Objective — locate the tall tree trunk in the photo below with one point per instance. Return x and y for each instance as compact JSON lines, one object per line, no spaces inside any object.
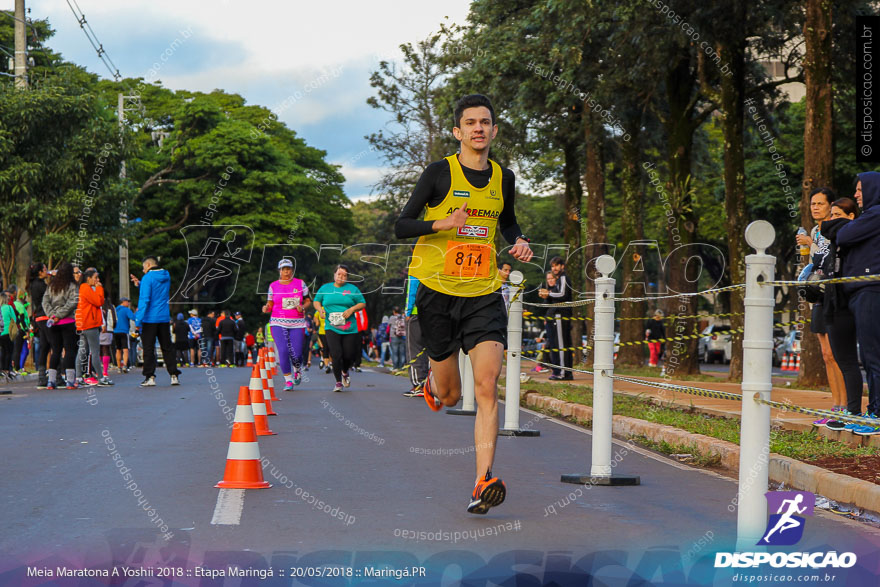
{"x":680,"y":128}
{"x":572,"y":229}
{"x":631,"y":327}
{"x":818,"y":152}
{"x":594,"y":180}
{"x":732,"y":52}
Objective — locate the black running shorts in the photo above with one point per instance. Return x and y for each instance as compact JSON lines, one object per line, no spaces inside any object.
{"x":450,"y":323}
{"x":120,"y":339}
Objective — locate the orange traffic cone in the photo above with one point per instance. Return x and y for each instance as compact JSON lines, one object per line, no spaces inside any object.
{"x":243,"y":470}
{"x":250,"y":361}
{"x":271,"y":364}
{"x":257,"y":386}
{"x":797,"y":365}
{"x":268,"y":381}
{"x":786,"y":364}
{"x":261,"y":420}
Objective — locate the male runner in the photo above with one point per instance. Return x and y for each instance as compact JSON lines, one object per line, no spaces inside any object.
{"x":466,"y":198}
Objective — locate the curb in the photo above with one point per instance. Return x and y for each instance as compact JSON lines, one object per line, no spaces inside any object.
{"x":791,"y":472}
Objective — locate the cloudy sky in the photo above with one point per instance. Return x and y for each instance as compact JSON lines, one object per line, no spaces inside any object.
{"x":266,"y":51}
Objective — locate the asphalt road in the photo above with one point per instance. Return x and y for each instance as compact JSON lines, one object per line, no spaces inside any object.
{"x":361,"y":479}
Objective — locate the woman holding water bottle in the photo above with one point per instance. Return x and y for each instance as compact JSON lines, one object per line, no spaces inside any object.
{"x":816,"y":247}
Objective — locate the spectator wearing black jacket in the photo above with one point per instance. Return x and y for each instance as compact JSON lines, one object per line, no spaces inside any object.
{"x":227,"y":340}
{"x":859,"y":240}
{"x":37,"y":288}
{"x":559,"y":330}
{"x":839,"y":320}
{"x":240,"y":348}
{"x":209,"y":336}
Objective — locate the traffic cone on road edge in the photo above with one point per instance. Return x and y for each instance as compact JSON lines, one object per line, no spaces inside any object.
{"x":261,"y":419}
{"x":271,"y":364}
{"x":243,"y":468}
{"x":797,"y":364}
{"x":786,"y":364}
{"x":257,"y":384}
{"x":250,"y":361}
{"x":268,"y":382}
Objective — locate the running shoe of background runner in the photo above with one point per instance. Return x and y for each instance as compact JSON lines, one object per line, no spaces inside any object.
{"x":104,"y":382}
{"x":852,"y":425}
{"x":288,"y":386}
{"x":149,"y":381}
{"x":337,"y":387}
{"x":488,"y":493}
{"x":415,"y":391}
{"x":175,"y":380}
{"x":346,"y":379}
{"x":297,"y":378}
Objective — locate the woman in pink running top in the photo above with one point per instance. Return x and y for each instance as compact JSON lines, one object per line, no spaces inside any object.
{"x":288,"y":299}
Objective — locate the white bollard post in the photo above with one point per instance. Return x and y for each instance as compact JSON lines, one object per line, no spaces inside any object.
{"x":754,"y":443}
{"x":468,"y":399}
{"x":514,"y":359}
{"x":603,"y":384}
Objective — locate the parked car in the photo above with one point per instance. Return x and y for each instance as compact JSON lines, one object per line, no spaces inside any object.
{"x":792,"y":342}
{"x":716,"y":344}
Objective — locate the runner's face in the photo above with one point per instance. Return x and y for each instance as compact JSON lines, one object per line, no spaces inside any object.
{"x":505,"y":271}
{"x":858,"y":194}
{"x":476,"y":131}
{"x":286,"y":273}
{"x":341,"y":276}
{"x":557,"y":269}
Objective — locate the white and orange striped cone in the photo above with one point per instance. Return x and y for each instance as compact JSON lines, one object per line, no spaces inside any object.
{"x":243,"y":469}
{"x":271,"y":364}
{"x":268,"y":382}
{"x":257,"y":385}
{"x":250,"y":360}
{"x":797,"y":364}
{"x":786,"y":364}
{"x":261,"y":420}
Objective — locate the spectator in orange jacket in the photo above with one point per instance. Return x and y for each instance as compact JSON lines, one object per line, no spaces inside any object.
{"x":89,"y":320}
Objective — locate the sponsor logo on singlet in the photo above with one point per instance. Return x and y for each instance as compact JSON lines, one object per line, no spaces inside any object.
{"x":461,"y":194}
{"x":476,"y":231}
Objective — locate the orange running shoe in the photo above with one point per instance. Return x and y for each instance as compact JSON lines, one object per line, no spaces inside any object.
{"x":432,"y":400}
{"x":488,"y":493}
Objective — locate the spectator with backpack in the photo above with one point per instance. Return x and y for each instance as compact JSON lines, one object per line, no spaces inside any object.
{"x":397,"y":338}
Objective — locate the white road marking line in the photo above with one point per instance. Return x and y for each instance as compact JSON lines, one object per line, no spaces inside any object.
{"x":230,"y":503}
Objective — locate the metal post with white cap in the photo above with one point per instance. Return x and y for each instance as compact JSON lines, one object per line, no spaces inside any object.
{"x":603,"y":384}
{"x":514,"y":359}
{"x":468,"y":398}
{"x":754,"y":443}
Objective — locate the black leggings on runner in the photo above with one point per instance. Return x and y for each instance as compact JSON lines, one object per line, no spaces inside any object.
{"x":343,"y":350}
{"x":842,"y":337}
{"x":325,"y":348}
{"x":63,"y":337}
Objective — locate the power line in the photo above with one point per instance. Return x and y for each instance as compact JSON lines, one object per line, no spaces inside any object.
{"x":93,"y":39}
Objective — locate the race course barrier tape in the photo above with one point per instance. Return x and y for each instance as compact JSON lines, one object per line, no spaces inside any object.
{"x":824,"y":281}
{"x":785,"y":407}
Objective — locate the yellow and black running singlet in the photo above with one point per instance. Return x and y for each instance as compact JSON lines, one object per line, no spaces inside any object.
{"x":461,"y":261}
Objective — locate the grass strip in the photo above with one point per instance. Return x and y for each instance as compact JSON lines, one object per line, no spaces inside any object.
{"x":794,"y":444}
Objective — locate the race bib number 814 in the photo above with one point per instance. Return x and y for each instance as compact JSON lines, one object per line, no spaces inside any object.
{"x":467,"y":259}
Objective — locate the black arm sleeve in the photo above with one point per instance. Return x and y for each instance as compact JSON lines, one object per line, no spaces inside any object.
{"x":409,"y":225}
{"x":507,"y":224}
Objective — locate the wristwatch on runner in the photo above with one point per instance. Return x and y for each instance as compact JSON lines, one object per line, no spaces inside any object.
{"x":524,"y":237}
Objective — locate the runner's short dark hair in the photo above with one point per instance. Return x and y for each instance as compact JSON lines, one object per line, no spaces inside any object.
{"x":151,"y":258}
{"x":471,"y":101}
{"x":828,"y":192}
{"x":341,"y":266}
{"x":557,"y":260}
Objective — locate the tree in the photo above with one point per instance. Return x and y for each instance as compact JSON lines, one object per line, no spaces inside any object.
{"x":818,"y":145}
{"x":59,"y":158}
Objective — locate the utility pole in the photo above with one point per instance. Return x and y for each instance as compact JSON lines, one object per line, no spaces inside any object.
{"x":21,"y":80}
{"x":124,"y":290}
